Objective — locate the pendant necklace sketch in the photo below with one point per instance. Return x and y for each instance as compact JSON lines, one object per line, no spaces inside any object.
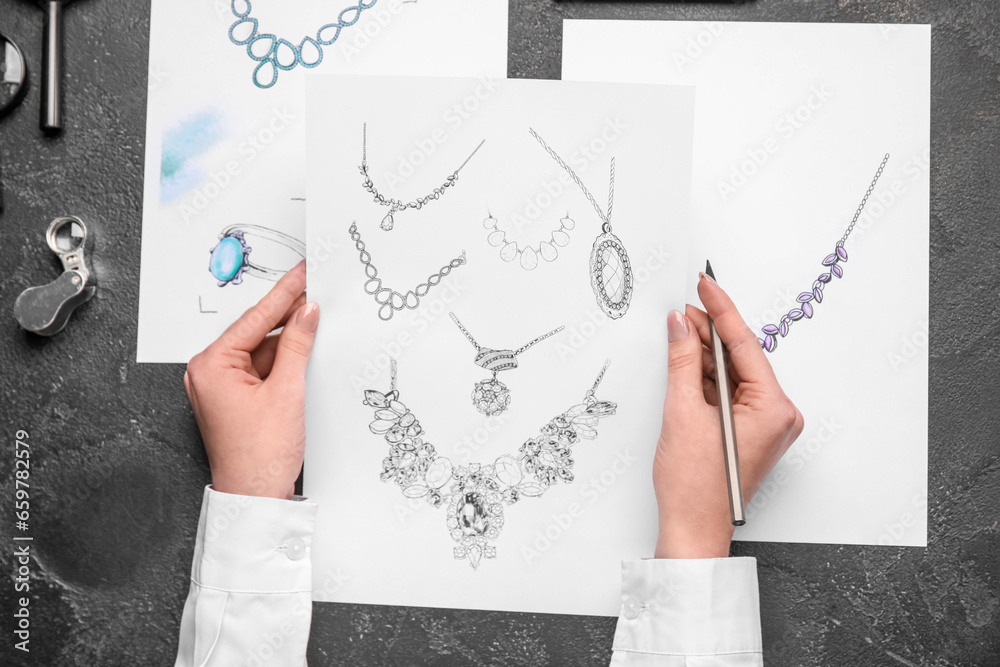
{"x":610,"y":269}
{"x":282,"y":54}
{"x":395,"y":205}
{"x":390,"y":301}
{"x":490,"y":396}
{"x":474,"y":495}
{"x":832,"y":262}
{"x":528,"y":255}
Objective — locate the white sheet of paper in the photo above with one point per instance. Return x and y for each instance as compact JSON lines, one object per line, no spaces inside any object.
{"x":371,"y":544}
{"x":792,"y":122}
{"x":220,"y":151}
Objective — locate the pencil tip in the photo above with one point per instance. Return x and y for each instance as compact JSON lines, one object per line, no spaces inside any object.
{"x":708,"y":269}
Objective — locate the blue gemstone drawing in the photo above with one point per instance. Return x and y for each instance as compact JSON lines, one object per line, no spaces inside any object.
{"x":276,"y":54}
{"x":229,"y":259}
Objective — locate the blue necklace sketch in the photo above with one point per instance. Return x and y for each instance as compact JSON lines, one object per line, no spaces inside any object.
{"x":833,"y":269}
{"x":282,"y":54}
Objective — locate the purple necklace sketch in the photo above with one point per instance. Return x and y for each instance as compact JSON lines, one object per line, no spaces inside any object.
{"x":230,"y":258}
{"x":271,"y":61}
{"x":390,"y":301}
{"x":475,"y":499}
{"x":832,"y":262}
{"x":490,"y":396}
{"x":610,"y":270}
{"x":395,"y":205}
{"x":528,"y":254}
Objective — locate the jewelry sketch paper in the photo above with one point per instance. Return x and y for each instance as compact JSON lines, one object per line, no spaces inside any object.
{"x":438,"y":503}
{"x":225,"y":143}
{"x":794,"y":125}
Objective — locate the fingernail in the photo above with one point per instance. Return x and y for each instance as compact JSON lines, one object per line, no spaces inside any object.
{"x":309,"y":317}
{"x":677,"y":327}
{"x":705,"y":276}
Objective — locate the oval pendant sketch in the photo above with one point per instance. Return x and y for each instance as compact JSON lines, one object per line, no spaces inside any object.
{"x":527,"y":256}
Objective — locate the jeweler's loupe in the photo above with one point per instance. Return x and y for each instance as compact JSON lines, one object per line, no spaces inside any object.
{"x":13,"y":75}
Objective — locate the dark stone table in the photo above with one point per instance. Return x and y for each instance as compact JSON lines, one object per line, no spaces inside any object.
{"x":118,"y":466}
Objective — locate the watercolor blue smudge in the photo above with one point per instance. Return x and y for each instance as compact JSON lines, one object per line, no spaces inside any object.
{"x":181,"y":144}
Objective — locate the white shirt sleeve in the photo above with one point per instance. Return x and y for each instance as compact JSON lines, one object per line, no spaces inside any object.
{"x":250,"y":601}
{"x":689,"y":613}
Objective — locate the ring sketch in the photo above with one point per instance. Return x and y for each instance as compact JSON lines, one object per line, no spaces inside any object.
{"x":281,"y":54}
{"x":395,"y":205}
{"x":832,"y":262}
{"x":490,"y":396}
{"x":229,"y":259}
{"x":474,"y":495}
{"x":390,"y":301}
{"x":527,"y":256}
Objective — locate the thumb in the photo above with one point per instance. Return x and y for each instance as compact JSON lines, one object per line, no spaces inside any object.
{"x":684,"y":370}
{"x":295,"y":345}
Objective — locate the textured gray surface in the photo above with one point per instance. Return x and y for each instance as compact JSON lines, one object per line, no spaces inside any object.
{"x":118,"y":465}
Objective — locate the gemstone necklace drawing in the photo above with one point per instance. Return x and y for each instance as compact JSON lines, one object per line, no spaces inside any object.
{"x":271,"y":60}
{"x":490,"y":396}
{"x":832,"y":263}
{"x":528,"y":254}
{"x":610,"y":269}
{"x":475,"y":499}
{"x":390,"y":301}
{"x":395,"y":205}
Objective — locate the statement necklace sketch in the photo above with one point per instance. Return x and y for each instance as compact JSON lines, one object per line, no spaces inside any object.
{"x":395,"y":205}
{"x":610,"y":269}
{"x":391,"y":300}
{"x":490,"y":396}
{"x":528,"y":254}
{"x":475,"y":499}
{"x":282,"y":54}
{"x":832,"y":263}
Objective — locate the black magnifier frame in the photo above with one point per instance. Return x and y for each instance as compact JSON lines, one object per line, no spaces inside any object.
{"x":13,"y":75}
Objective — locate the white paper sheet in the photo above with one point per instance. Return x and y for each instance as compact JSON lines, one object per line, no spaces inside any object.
{"x":221,"y":151}
{"x":371,"y":544}
{"x":792,"y":121}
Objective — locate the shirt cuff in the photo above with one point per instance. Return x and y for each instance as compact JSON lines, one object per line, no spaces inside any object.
{"x":689,"y":607}
{"x":249,"y":544}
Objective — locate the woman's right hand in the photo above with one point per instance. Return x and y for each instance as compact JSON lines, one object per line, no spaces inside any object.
{"x":689,"y":474}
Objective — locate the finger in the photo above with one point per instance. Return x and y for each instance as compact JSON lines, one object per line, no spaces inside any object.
{"x":745,"y":352}
{"x":711,"y":391}
{"x":247,"y":332}
{"x":699,"y":318}
{"x":295,"y":344}
{"x":263,"y":357}
{"x":298,"y":303}
{"x":684,"y":372}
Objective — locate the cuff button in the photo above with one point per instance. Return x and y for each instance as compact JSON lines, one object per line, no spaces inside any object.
{"x":295,"y":549}
{"x":631,"y":608}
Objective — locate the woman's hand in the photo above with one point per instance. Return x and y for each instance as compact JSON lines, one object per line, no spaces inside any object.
{"x":689,"y":473}
{"x":248,"y":393}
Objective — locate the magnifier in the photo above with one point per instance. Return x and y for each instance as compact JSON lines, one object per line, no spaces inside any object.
{"x":13,"y":75}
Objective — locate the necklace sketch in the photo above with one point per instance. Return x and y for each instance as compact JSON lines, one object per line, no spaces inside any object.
{"x":475,"y":499}
{"x":390,"y":301}
{"x":229,"y":259}
{"x":528,"y":255}
{"x":308,"y":53}
{"x":610,"y":270}
{"x":490,"y":396}
{"x":833,"y":269}
{"x":395,"y":205}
